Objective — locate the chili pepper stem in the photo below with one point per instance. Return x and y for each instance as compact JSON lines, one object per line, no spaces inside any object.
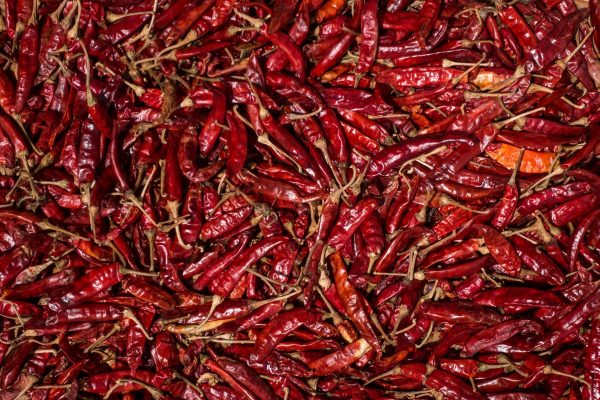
{"x":255,"y":22}
{"x":92,"y":208}
{"x":25,"y":172}
{"x":295,"y":117}
{"x":383,"y":375}
{"x":28,"y":383}
{"x":172,"y":208}
{"x":446,"y":200}
{"x":151,"y":235}
{"x":130,"y":315}
{"x":45,"y":387}
{"x":154,"y":392}
{"x":286,"y":296}
{"x":460,"y":77}
{"x":426,"y":338}
{"x":189,"y":38}
{"x":127,"y":271}
{"x":45,"y":225}
{"x":547,"y":178}
{"x":116,"y":328}
{"x":269,"y":281}
{"x":73,"y":33}
{"x":563,"y":63}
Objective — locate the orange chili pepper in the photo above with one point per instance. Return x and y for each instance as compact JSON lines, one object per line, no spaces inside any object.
{"x":330,"y":9}
{"x":534,"y":162}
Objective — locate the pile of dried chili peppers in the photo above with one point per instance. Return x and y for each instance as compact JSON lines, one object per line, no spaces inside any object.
{"x":299,"y":199}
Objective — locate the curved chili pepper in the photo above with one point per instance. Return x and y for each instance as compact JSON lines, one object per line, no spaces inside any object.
{"x":350,"y":221}
{"x":353,"y":302}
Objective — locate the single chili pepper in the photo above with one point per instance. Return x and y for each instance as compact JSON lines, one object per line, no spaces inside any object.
{"x":237,"y":141}
{"x":578,"y":236}
{"x":6,"y":92}
{"x":452,"y":254}
{"x":340,"y":359}
{"x":14,"y":362}
{"x":460,"y":312}
{"x":573,"y":209}
{"x":148,"y":292}
{"x":330,"y":9}
{"x":450,"y":386}
{"x":217,"y":268}
{"x":403,"y":239}
{"x":427,"y":18}
{"x":417,"y":76}
{"x":184,"y":22}
{"x":586,"y":151}
{"x":517,"y":24}
{"x":353,"y":303}
{"x":246,"y":377}
{"x":551,"y":196}
{"x":591,"y":359}
{"x":289,"y":143}
{"x":570,"y":321}
{"x":39,"y":287}
{"x":400,"y":204}
{"x":502,"y":251}
{"x":277,"y":330}
{"x":515,"y":296}
{"x":212,"y":127}
{"x":350,"y":221}
{"x":457,"y":270}
{"x":27,"y":64}
{"x":369,"y":37}
{"x":334,"y":54}
{"x":508,"y":203}
{"x":86,"y":287}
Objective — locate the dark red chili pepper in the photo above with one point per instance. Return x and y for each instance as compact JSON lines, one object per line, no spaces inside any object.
{"x":450,"y":386}
{"x":369,"y":37}
{"x":277,"y":330}
{"x":508,"y":203}
{"x":394,"y":156}
{"x":573,"y":209}
{"x":502,"y":251}
{"x":518,"y":25}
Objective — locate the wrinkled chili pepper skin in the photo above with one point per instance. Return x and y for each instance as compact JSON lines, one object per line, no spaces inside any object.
{"x":349,"y":222}
{"x":91,"y":284}
{"x":450,"y":386}
{"x":394,"y":156}
{"x":353,"y":303}
{"x":28,"y":64}
{"x":299,"y":199}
